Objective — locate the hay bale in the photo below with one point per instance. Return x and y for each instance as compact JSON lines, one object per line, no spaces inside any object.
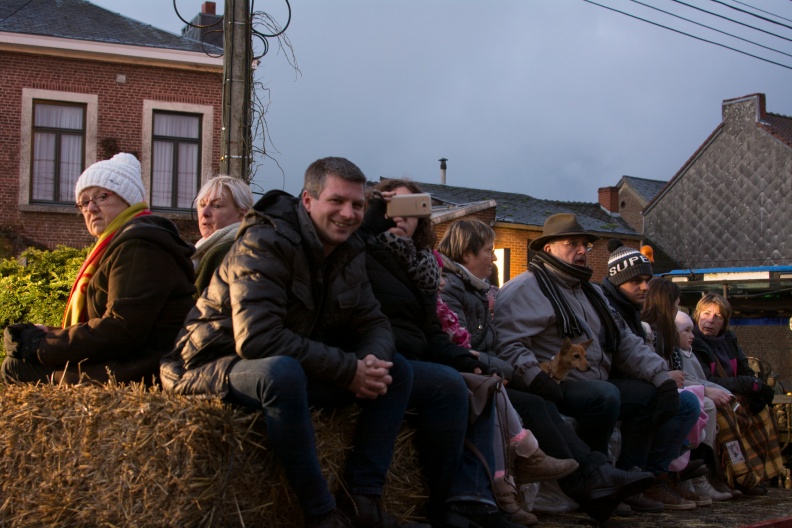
{"x":126,"y":456}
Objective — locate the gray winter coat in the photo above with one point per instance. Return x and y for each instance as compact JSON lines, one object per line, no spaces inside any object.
{"x":527,"y":333}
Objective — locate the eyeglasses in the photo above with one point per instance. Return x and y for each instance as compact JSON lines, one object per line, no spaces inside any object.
{"x":99,"y":200}
{"x":575,"y":244}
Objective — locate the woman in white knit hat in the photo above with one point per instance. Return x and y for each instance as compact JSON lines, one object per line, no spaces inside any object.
{"x":130,"y":297}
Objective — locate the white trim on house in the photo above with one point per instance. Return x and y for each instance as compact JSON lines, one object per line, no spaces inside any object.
{"x":207,"y":138}
{"x":103,"y":51}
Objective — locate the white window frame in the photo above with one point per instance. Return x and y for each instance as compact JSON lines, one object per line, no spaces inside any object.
{"x":207,"y":137}
{"x":29,"y":95}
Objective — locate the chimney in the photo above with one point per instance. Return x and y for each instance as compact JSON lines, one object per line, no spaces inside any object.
{"x":442,"y":170}
{"x":609,"y":199}
{"x":208,"y":8}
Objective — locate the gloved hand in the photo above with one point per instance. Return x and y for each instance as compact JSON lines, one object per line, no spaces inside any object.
{"x":666,"y":401}
{"x":767,"y":393}
{"x":21,"y":340}
{"x":374,"y":220}
{"x":546,"y":387}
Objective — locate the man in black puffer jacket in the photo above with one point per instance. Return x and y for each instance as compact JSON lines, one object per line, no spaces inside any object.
{"x":289,"y":321}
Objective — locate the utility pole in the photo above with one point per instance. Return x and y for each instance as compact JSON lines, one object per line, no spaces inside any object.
{"x":236,"y":135}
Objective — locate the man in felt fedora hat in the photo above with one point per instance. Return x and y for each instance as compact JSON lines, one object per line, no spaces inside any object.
{"x":554,"y":299}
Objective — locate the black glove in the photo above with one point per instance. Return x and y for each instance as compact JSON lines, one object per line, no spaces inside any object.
{"x":374,"y":220}
{"x":546,"y":387}
{"x":21,"y":340}
{"x":666,"y":402}
{"x":469,"y":362}
{"x":767,"y":393}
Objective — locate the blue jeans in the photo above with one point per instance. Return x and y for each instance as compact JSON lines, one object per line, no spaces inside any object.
{"x":278,"y":386}
{"x":440,"y":400}
{"x":645,"y":444}
{"x":595,"y":405}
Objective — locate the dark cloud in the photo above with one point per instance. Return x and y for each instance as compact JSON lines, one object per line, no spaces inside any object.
{"x":553,"y":99}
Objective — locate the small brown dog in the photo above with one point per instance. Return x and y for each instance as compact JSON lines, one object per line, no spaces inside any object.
{"x":571,"y":356}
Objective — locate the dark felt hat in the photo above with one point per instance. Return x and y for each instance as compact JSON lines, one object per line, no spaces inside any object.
{"x":561,"y":225}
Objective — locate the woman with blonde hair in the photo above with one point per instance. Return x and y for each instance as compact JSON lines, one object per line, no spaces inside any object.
{"x":724,"y":362}
{"x":222,"y":203}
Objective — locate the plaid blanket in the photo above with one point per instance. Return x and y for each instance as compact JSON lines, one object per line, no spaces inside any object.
{"x":748,"y":445}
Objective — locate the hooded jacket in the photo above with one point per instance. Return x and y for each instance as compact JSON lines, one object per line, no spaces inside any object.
{"x":275,"y":294}
{"x":135,"y":303}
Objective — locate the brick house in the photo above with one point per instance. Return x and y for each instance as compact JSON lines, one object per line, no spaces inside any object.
{"x":726,"y":216}
{"x":630,"y":197}
{"x":732,"y":196}
{"x":517,"y":219}
{"x":80,"y":84}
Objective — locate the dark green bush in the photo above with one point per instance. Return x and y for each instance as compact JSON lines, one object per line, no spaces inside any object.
{"x":35,"y":287}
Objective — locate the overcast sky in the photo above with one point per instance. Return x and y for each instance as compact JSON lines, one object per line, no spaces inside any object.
{"x":551,"y":98}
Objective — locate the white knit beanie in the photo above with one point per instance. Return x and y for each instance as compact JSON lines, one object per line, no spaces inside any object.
{"x":120,"y":174}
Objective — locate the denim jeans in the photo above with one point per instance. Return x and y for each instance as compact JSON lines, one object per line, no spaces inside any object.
{"x":556,"y":437}
{"x":278,"y":386}
{"x":440,"y":401}
{"x":645,"y":444}
{"x":595,"y":405}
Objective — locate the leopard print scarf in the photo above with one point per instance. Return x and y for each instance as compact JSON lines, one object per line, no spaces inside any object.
{"x":421,"y":263}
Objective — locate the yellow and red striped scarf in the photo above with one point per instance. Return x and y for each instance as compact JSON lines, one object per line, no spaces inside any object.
{"x":75,"y":307}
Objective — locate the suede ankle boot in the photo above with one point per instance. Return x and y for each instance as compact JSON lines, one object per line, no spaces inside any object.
{"x":538,"y":466}
{"x":508,"y":498}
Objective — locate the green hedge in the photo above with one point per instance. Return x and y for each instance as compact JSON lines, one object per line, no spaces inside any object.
{"x":34,"y":288}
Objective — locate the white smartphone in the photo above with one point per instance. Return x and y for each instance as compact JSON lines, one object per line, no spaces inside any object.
{"x":410,"y":205}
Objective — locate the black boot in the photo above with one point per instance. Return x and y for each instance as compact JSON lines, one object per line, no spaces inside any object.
{"x":366,"y":511}
{"x":331,"y":519}
{"x":601,"y":509}
{"x":475,"y":515}
{"x":607,"y":482}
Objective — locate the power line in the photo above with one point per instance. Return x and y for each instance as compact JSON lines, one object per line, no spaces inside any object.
{"x":732,"y":20}
{"x":751,"y":14}
{"x":689,"y":35}
{"x":762,"y":10}
{"x":712,"y":28}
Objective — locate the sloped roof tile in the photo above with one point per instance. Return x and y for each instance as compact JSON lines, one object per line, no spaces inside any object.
{"x":526,"y":210}
{"x":82,"y":20}
{"x":646,"y":189}
{"x":779,"y":126}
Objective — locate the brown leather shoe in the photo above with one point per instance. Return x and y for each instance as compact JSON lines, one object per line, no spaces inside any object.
{"x":682,"y":490}
{"x":660,"y":492}
{"x":539,"y":466}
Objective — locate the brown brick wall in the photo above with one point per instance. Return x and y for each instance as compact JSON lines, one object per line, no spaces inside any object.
{"x":608,"y":198}
{"x":120,"y":110}
{"x":630,"y":207}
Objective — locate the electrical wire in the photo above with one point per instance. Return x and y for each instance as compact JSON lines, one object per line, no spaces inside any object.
{"x":751,"y":14}
{"x":712,"y":28}
{"x":762,"y":10}
{"x":732,"y":20}
{"x":689,"y":35}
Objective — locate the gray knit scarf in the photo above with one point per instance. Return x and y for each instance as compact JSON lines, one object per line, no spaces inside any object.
{"x":566,"y":320}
